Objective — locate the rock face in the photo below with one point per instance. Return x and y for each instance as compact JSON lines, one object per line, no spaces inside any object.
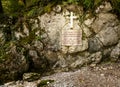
{"x":13,"y":65}
{"x":102,"y":76}
{"x":115,"y":54}
{"x":100,"y":36}
{"x":38,"y":43}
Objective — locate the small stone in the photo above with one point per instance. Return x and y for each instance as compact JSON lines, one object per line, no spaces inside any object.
{"x":101,"y":74}
{"x":48,"y":82}
{"x":93,"y":65}
{"x":111,"y":67}
{"x":57,"y":9}
{"x":104,"y":68}
{"x":88,"y":22}
{"x":31,"y":76}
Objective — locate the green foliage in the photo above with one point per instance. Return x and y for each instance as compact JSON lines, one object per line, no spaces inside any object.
{"x":17,"y":7}
{"x":88,"y":4}
{"x":73,"y":1}
{"x":44,"y":83}
{"x":32,"y":12}
{"x":116,"y":6}
{"x":3,"y":49}
{"x":48,"y":8}
{"x":12,"y":7}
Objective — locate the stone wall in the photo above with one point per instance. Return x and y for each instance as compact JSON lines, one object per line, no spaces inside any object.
{"x":100,"y":37}
{"x":37,"y":42}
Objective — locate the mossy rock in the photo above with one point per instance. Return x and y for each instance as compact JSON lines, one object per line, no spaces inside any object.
{"x":44,"y":83}
{"x":31,"y":76}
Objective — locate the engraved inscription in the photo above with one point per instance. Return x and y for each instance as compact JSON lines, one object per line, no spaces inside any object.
{"x":71,"y":37}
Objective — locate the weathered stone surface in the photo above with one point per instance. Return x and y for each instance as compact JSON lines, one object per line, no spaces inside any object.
{"x":42,"y":47}
{"x":20,"y":84}
{"x":103,"y":20}
{"x":103,"y":8}
{"x":31,"y":76}
{"x":57,"y":9}
{"x":14,"y":64}
{"x":108,"y":36}
{"x":51,"y":56}
{"x":38,"y":45}
{"x":106,"y":53}
{"x":86,"y":31}
{"x":96,"y":57}
{"x":117,"y":30}
{"x":102,"y":75}
{"x":1,"y":38}
{"x":95,"y":45}
{"x":88,"y":22}
{"x":1,"y":34}
{"x":115,"y":54}
{"x":79,"y":48}
{"x":53,"y":24}
{"x":37,"y":61}
{"x":79,"y":62}
{"x":62,"y":63}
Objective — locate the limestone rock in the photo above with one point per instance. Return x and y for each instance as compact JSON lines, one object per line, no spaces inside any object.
{"x":115,"y":54}
{"x":117,"y":30}
{"x":2,"y":39}
{"x":89,"y":21}
{"x":37,"y":61}
{"x":38,"y":45}
{"x":93,"y":59}
{"x":107,"y":7}
{"x":95,"y":45}
{"x":87,"y":32}
{"x":20,"y":84}
{"x":14,"y":64}
{"x":53,"y":24}
{"x":106,"y":53}
{"x":31,"y":76}
{"x":80,"y":48}
{"x":103,"y":20}
{"x":79,"y":62}
{"x":62,"y":63}
{"x":108,"y":36}
{"x":103,"y":8}
{"x":51,"y":56}
{"x":57,"y":9}
{"x":96,"y":57}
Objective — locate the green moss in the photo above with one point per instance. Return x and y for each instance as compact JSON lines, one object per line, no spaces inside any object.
{"x":116,"y":6}
{"x":83,"y":35}
{"x":48,"y":8}
{"x":44,"y":83}
{"x":3,"y":49}
{"x":32,"y":12}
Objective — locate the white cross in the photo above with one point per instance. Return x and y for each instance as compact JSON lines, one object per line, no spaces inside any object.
{"x":71,"y":19}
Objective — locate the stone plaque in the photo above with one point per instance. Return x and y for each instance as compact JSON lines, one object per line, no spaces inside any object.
{"x":71,"y":37}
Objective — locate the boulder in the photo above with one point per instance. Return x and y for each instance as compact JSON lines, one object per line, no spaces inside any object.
{"x":94,"y":45}
{"x":115,"y":54}
{"x":103,"y":19}
{"x":108,"y":36}
{"x":12,"y":65}
{"x":31,"y":77}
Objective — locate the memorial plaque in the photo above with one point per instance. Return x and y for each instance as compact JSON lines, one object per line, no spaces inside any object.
{"x":71,"y":37}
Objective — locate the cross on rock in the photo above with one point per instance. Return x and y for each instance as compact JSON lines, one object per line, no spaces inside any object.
{"x":71,"y":19}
